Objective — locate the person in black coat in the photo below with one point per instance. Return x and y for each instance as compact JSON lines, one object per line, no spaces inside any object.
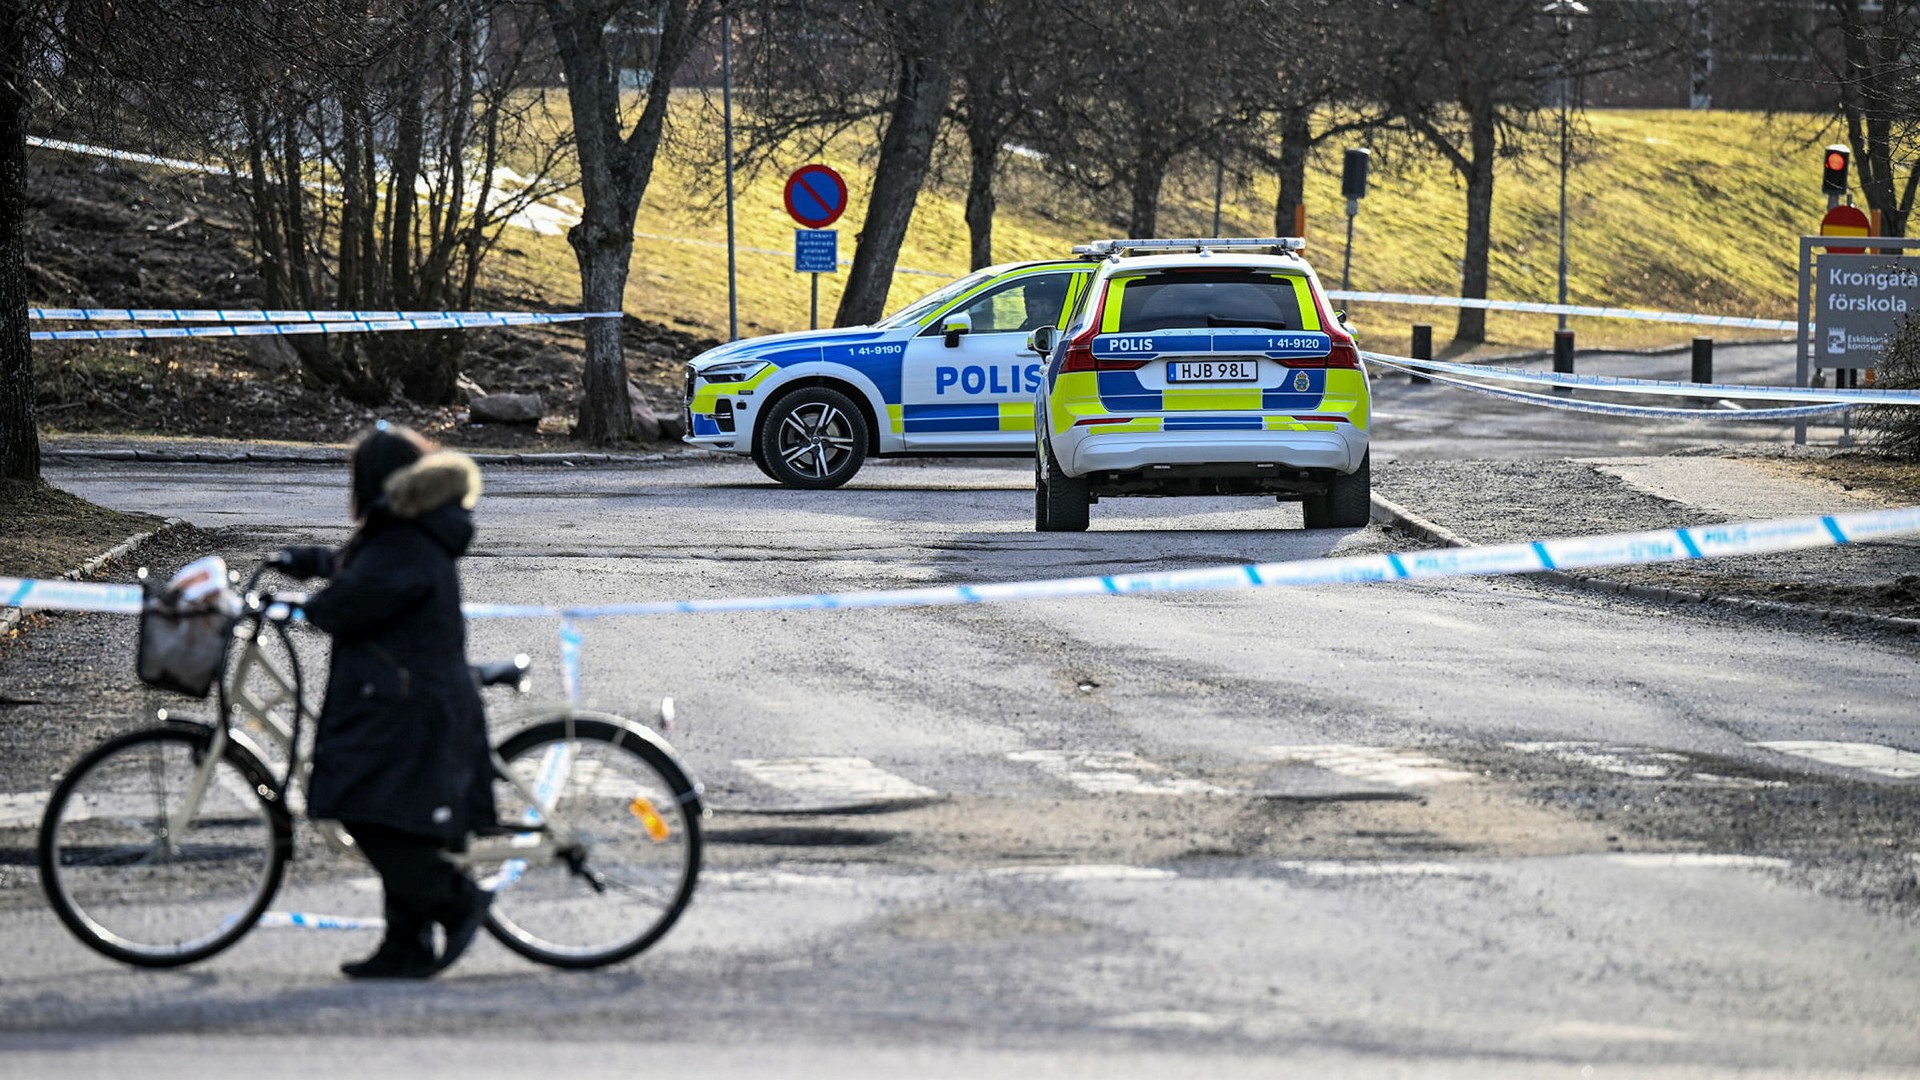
{"x":401,"y":757}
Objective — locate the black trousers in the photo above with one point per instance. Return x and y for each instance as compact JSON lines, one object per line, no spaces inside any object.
{"x":422,"y":887}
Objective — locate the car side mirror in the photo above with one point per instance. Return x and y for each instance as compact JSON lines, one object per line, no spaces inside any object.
{"x":1041,"y":340}
{"x":1340,"y":316}
{"x":954,"y":325}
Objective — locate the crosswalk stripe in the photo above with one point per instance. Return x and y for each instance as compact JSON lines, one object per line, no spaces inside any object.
{"x":1635,"y":761}
{"x":23,"y":811}
{"x":1397,"y":766}
{"x":854,"y":779}
{"x":1113,"y":772}
{"x":1867,"y":757}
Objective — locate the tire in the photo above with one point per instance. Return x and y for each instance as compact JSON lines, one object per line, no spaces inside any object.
{"x":1347,"y":502}
{"x":813,"y":438}
{"x":760,"y":460}
{"x":1060,"y":503}
{"x":545,"y":910}
{"x":129,"y":890}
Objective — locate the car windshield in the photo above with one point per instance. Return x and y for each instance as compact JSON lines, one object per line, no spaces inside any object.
{"x":925,"y":305}
{"x":1187,"y":300}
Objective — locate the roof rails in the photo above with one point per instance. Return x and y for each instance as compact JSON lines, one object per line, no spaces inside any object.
{"x":1114,"y":249}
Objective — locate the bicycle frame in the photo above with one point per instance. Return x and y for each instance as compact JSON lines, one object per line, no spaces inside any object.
{"x":273,"y":703}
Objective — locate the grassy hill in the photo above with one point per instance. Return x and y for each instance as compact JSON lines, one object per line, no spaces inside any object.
{"x":1689,"y":211}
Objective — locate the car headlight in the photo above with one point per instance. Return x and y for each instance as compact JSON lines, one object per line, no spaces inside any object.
{"x":736,"y":371}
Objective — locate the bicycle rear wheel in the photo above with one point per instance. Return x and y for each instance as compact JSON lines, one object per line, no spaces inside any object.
{"x":131,"y":887}
{"x":636,"y":816}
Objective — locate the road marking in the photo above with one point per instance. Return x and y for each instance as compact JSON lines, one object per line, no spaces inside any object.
{"x":1398,"y":766}
{"x":1376,"y":869}
{"x":1866,"y":757}
{"x":23,"y":811}
{"x":1167,"y":1019}
{"x":852,"y":779}
{"x":1634,"y":761}
{"x":1084,"y":872}
{"x":1112,"y":772}
{"x":1691,"y":861}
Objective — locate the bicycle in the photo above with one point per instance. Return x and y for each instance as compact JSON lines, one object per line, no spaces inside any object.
{"x":164,"y":846}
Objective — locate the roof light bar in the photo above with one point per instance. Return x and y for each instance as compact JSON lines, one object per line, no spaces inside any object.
{"x":1100,"y":249}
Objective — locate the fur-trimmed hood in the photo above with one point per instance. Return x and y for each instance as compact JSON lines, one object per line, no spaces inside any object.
{"x":442,"y":478}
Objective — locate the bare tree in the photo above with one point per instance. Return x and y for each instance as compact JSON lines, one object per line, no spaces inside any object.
{"x":1867,"y":50}
{"x":616,"y":145}
{"x":820,"y":68}
{"x":19,"y":437}
{"x":1005,"y":71}
{"x":1156,"y":81}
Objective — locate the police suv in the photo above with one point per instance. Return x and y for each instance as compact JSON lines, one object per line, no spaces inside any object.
{"x":1201,"y":367}
{"x":951,"y":373}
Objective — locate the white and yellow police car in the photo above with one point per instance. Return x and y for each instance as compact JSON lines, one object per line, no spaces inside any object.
{"x":951,"y":373}
{"x":1201,"y":367}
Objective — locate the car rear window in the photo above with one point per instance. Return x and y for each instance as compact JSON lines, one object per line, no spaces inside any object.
{"x":1180,"y":300}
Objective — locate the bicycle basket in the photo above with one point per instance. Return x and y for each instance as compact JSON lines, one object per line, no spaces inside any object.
{"x":183,"y":637}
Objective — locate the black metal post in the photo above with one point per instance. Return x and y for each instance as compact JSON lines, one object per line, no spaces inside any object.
{"x":1563,"y":359}
{"x":1422,"y":350}
{"x":1702,"y":365}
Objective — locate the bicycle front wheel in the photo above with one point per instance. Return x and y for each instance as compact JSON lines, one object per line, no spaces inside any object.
{"x":635,"y":819}
{"x":141,"y":877}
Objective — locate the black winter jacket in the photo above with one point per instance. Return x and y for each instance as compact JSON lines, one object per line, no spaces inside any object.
{"x":402,"y":738}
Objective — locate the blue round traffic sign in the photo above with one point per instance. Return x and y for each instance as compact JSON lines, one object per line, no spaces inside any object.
{"x":816,"y":196}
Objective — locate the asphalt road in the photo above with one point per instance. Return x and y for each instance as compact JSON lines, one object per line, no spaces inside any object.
{"x":1477,"y":828}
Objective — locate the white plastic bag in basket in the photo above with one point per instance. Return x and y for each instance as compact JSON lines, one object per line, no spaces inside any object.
{"x":203,"y":583}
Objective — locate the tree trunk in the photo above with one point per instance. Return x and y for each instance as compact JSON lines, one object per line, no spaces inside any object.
{"x":1482,"y":148}
{"x":1296,"y":143}
{"x":906,"y":152}
{"x":19,"y":437}
{"x":983,"y":158}
{"x":604,"y":251}
{"x":1148,"y":176}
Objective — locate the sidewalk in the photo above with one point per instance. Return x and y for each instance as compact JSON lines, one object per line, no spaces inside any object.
{"x":1491,"y":502}
{"x":202,"y":451}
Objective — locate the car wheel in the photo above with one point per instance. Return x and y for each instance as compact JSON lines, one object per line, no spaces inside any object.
{"x":759,"y":455}
{"x":813,"y":438}
{"x":1346,"y":504}
{"x":1060,"y":503}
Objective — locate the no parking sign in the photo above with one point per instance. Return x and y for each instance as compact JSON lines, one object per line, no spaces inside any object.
{"x":816,"y":196}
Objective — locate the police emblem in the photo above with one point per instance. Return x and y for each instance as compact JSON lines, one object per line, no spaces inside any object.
{"x":1302,"y":382}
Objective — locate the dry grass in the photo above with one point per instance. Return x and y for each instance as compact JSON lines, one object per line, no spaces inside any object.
{"x":1689,"y":211}
{"x":45,"y":531}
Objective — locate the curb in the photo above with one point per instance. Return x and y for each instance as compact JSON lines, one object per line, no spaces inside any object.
{"x":11,"y":617}
{"x":339,"y":457}
{"x":1388,"y":512}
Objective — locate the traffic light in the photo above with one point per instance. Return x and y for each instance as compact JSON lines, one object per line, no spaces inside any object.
{"x":1833,"y":178}
{"x":1353,"y":174}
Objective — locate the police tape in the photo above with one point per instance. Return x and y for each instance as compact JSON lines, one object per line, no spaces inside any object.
{"x":287,"y":329}
{"x":1661,"y":387}
{"x":1421,"y":300}
{"x":272,"y":315}
{"x":127,"y":155}
{"x":1574,"y":553}
{"x":1545,"y":401}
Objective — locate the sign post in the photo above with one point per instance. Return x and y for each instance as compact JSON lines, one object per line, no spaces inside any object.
{"x":816,"y":197}
{"x":1850,"y":306}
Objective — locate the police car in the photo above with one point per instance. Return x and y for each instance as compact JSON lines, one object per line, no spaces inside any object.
{"x":950,"y":373}
{"x":1201,"y":367}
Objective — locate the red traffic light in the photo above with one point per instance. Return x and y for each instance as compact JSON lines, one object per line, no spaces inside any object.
{"x":1833,"y":178}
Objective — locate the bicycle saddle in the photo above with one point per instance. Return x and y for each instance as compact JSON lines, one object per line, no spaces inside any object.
{"x":503,"y":672}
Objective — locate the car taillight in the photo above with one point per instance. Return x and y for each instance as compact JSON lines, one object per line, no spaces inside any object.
{"x":1343,"y":355}
{"x":1080,"y":358}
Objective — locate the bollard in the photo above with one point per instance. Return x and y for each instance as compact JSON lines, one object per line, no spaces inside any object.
{"x":1422,"y":350}
{"x":1563,"y":359}
{"x":1702,"y":367}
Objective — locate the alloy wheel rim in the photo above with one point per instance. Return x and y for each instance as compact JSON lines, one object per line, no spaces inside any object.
{"x":815,"y":439}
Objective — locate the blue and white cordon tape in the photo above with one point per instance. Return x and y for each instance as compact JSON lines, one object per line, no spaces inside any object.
{"x":1634,"y":314}
{"x":276,"y":315}
{"x":449,"y":321}
{"x":1793,"y":412}
{"x":1576,"y":553}
{"x":1660,"y":387}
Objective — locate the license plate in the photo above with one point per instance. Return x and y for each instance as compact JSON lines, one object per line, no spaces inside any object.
{"x":1213,"y":371}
